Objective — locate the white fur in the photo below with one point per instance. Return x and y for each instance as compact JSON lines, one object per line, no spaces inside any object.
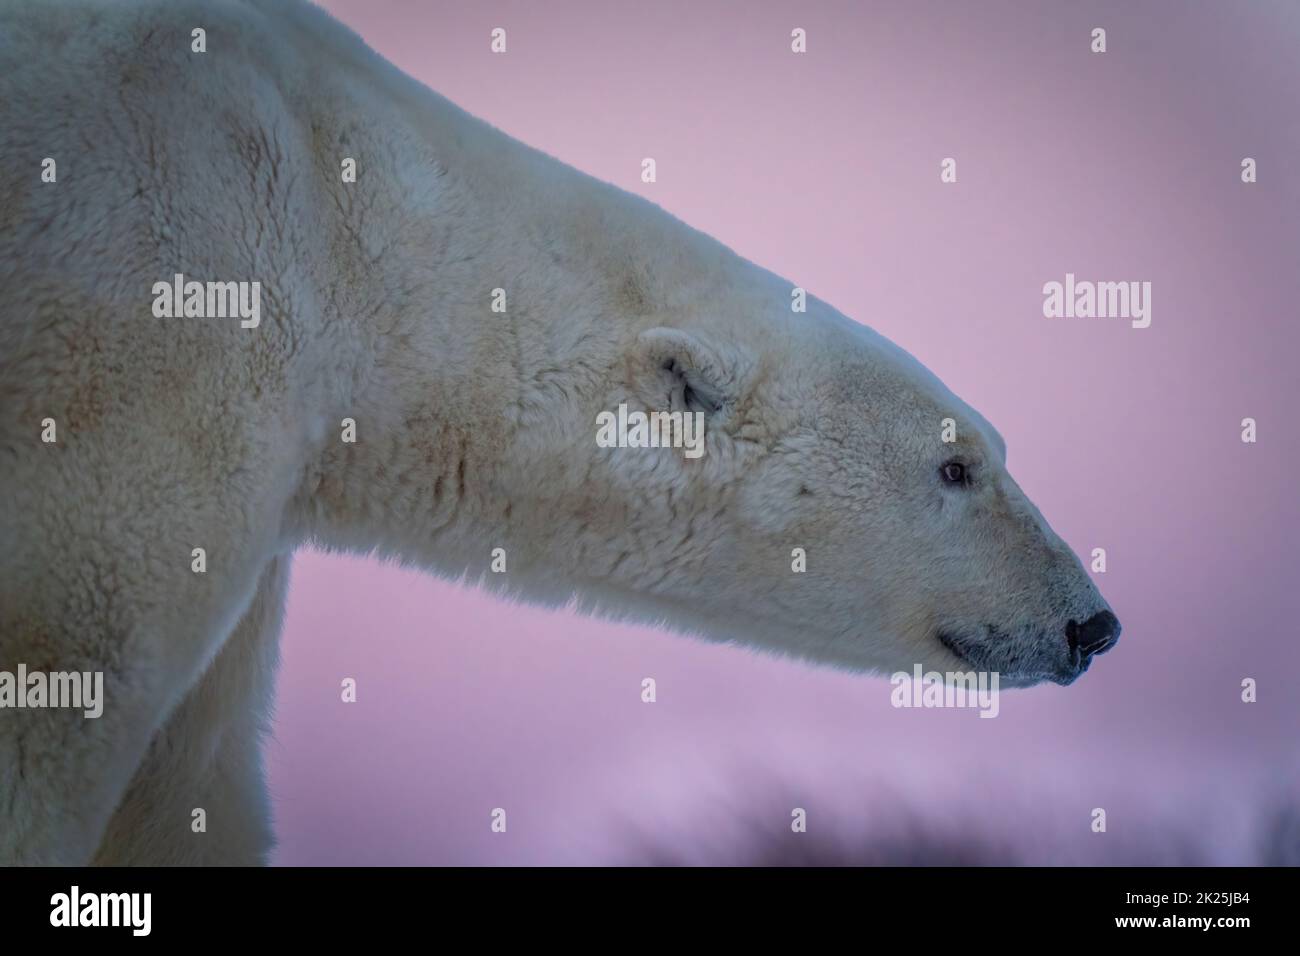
{"x":475,"y":429}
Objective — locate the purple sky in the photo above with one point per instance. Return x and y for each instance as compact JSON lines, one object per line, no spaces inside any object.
{"x":825,"y":168}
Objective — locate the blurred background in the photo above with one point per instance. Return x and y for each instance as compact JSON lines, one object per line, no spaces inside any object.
{"x":824,"y":167}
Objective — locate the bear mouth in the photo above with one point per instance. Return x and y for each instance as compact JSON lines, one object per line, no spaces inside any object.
{"x":978,"y":658}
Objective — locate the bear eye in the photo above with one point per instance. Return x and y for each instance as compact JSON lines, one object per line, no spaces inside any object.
{"x":954,"y":473}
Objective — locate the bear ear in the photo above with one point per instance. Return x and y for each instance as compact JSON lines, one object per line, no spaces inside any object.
{"x":674,"y":370}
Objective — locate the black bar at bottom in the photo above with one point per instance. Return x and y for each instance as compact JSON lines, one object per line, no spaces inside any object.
{"x":373,"y":905}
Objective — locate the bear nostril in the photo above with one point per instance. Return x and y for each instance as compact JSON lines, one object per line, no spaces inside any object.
{"x":1094,"y":636}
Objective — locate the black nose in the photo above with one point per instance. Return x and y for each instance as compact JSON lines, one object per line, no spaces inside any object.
{"x":1094,"y":636}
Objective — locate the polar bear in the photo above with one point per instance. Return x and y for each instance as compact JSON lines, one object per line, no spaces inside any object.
{"x":467,"y":307}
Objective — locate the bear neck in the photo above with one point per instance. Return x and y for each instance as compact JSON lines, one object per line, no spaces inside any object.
{"x":506,"y":288}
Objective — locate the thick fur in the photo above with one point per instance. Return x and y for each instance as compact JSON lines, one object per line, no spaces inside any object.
{"x":475,"y":429}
